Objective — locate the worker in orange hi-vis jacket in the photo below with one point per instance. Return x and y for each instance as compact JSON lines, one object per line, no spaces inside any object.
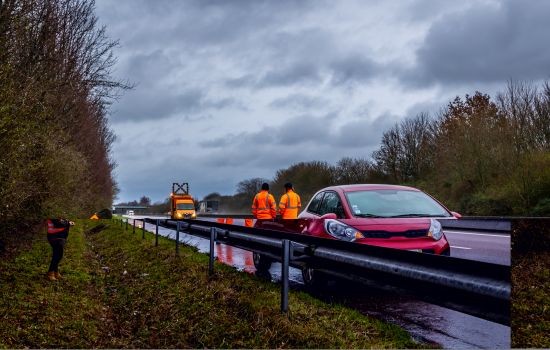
{"x":263,"y":205}
{"x":290,"y":203}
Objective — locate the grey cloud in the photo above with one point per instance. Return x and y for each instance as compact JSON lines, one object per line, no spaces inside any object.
{"x":242,"y":81}
{"x":295,"y":131}
{"x":354,"y":68}
{"x":200,"y":23}
{"x":486,"y":43}
{"x":152,"y":67}
{"x":416,"y":11}
{"x":226,"y":52}
{"x":303,"y":129}
{"x":303,"y":137}
{"x":299,"y":102}
{"x":140,"y":104}
{"x":300,"y":73}
{"x":224,"y":103}
{"x":363,"y":133}
{"x":219,"y":142}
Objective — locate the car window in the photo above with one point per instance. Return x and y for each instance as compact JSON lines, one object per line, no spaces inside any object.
{"x":331,"y":204}
{"x":314,"y":205}
{"x":394,"y":203}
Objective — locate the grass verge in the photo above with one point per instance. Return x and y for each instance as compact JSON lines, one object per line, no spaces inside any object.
{"x":531,"y":284}
{"x":120,"y":291}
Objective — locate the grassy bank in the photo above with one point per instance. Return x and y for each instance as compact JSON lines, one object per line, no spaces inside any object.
{"x":120,"y":291}
{"x":531,"y":284}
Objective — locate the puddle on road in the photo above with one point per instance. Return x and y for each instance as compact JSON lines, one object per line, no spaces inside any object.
{"x":425,"y":322}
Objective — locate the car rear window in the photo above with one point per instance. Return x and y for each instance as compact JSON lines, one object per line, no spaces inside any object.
{"x":314,"y":205}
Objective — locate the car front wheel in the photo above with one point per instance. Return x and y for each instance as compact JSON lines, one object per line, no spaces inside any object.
{"x":312,"y":277}
{"x":261,"y":262}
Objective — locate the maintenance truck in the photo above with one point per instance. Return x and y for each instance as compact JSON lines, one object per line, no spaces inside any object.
{"x":182,"y":205}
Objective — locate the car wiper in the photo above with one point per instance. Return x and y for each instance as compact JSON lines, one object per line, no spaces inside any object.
{"x":414,"y":215}
{"x":367,"y":215}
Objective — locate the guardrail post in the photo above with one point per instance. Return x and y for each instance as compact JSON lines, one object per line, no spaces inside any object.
{"x":126,"y":228}
{"x":134,"y":226}
{"x":284,"y":275}
{"x":143,"y":230}
{"x":211,"y":260}
{"x":157,"y":234}
{"x":178,"y":238}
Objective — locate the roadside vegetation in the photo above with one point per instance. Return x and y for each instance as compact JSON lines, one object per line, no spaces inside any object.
{"x":120,"y":291}
{"x":531,"y":284}
{"x":55,"y":88}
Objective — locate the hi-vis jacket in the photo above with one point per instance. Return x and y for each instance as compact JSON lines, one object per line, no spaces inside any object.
{"x":290,"y":205}
{"x":58,"y":228}
{"x":263,"y":206}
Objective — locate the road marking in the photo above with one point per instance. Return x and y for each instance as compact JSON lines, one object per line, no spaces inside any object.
{"x":477,"y":234}
{"x":457,"y":247}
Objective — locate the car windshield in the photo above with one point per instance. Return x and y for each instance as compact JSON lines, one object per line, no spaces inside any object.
{"x":394,"y":203}
{"x":185,"y":206}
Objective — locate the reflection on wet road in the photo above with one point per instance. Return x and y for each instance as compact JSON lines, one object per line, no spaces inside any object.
{"x":424,"y":321}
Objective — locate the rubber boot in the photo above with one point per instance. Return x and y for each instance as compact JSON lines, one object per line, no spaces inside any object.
{"x":51,"y":276}
{"x":58,"y":275}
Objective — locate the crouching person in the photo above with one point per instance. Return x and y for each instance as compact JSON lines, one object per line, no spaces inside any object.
{"x":58,"y":231}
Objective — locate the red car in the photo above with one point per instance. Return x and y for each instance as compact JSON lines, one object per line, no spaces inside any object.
{"x":381,"y":215}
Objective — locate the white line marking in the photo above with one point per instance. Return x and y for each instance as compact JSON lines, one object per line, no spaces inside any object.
{"x":477,"y":234}
{"x":457,"y":247}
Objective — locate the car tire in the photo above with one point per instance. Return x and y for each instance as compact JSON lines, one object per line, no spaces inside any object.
{"x":312,"y":277}
{"x":261,"y":262}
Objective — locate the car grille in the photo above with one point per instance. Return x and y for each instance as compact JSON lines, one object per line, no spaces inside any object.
{"x":387,"y":234}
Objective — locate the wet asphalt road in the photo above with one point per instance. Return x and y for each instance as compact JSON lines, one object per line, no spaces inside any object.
{"x":424,"y":321}
{"x":480,"y":246}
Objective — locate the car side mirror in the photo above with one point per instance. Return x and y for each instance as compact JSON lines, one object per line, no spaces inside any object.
{"x":456,"y":215}
{"x":329,"y":216}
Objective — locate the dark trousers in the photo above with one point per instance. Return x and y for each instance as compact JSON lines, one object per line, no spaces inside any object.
{"x":57,"y":253}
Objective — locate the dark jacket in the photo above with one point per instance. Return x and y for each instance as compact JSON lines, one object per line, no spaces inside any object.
{"x":58,"y":228}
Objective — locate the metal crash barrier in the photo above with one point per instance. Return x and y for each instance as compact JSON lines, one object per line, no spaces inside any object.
{"x":477,"y":288}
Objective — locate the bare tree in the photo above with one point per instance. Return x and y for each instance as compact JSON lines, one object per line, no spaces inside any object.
{"x":353,"y":171}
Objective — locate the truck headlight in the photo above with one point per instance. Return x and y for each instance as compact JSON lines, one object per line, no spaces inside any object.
{"x":435,"y":231}
{"x":341,"y":231}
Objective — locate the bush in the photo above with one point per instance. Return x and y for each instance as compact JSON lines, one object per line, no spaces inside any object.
{"x":482,"y":204}
{"x":542,"y":208}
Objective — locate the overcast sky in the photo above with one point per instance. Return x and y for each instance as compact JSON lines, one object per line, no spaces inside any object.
{"x":231,"y":90}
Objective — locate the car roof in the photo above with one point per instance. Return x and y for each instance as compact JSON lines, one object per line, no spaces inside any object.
{"x":369,"y":187}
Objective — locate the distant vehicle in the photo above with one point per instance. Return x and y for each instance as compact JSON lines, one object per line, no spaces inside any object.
{"x":381,"y":215}
{"x":130,"y":212}
{"x":182,"y":205}
{"x":209,"y":206}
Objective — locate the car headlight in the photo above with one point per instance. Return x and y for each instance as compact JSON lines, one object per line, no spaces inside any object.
{"x":435,"y":231}
{"x":341,"y":231}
